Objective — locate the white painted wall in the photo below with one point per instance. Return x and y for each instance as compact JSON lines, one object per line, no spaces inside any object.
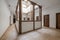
{"x":27,"y":26}
{"x":11,"y":17}
{"x":52,"y":12}
{"x":4,"y":17}
{"x":37,"y":25}
{"x":17,"y":25}
{"x":50,"y":7}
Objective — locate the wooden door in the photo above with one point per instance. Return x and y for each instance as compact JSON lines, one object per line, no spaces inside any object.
{"x":58,"y":20}
{"x":46,"y":20}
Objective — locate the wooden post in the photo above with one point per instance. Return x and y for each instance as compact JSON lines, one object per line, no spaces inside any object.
{"x":20,"y":16}
{"x":40,"y":14}
{"x":33,"y":17}
{"x":33,"y":14}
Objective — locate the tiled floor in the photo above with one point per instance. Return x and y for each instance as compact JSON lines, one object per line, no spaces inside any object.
{"x":41,"y":34}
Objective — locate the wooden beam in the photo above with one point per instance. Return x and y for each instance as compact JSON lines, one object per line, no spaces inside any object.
{"x":33,"y":17}
{"x":40,"y":14}
{"x":33,"y":14}
{"x":20,"y":16}
{"x":35,"y":3}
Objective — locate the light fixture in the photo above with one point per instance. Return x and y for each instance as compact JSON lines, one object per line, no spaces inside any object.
{"x":25,"y":0}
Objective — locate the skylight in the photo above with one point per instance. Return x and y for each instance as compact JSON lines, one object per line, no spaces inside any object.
{"x":26,"y":6}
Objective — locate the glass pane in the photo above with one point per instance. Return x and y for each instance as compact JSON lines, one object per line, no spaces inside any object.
{"x":26,"y":11}
{"x":37,"y":17}
{"x":27,"y":23}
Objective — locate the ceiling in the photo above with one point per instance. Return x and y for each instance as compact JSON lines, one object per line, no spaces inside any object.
{"x":11,"y":5}
{"x":46,"y":4}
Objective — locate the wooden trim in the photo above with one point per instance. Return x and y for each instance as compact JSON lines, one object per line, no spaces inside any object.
{"x":44,"y":20}
{"x":27,"y":21}
{"x":31,"y":21}
{"x":56,"y":20}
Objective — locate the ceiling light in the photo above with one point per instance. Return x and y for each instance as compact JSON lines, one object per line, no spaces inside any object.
{"x":25,"y":0}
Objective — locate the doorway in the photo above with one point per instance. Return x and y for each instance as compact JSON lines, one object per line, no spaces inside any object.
{"x":14,"y":19}
{"x":46,"y":20}
{"x":58,"y":20}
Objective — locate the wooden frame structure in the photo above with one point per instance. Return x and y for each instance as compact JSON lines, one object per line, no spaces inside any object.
{"x":20,"y":14}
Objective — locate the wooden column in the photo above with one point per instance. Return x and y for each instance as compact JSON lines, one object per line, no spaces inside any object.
{"x":40,"y":14}
{"x":33,"y":14}
{"x":20,"y":16}
{"x":33,"y":17}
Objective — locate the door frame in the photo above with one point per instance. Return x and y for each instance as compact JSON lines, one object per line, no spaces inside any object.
{"x":57,"y":21}
{"x":44,"y":19}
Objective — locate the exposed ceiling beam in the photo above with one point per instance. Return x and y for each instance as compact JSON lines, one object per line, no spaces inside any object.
{"x":35,"y":3}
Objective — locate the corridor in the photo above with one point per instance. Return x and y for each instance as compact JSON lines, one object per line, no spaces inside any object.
{"x":41,"y":34}
{"x":29,"y":19}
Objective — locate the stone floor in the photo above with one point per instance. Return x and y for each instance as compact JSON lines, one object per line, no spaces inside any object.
{"x":41,"y":34}
{"x":10,"y":34}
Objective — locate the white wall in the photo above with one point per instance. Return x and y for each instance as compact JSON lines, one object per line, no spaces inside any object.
{"x":27,"y":26}
{"x":17,"y":25}
{"x":52,"y":12}
{"x":4,"y":17}
{"x":37,"y":25}
{"x":11,"y":17}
